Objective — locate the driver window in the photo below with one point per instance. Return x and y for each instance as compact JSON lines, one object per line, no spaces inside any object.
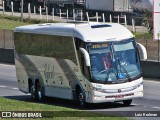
{"x":84,"y":68}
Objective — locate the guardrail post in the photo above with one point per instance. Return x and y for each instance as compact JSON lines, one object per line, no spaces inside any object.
{"x":103,"y":17}
{"x":125,"y":19}
{"x":73,"y":14}
{"x":133,"y":25}
{"x":53,"y":14}
{"x":46,"y":13}
{"x":12,"y":8}
{"x":87,"y":16}
{"x":34,"y":12}
{"x":67,"y":15}
{"x":3,"y":7}
{"x":110,"y":18}
{"x":118,"y":19}
{"x":60,"y":15}
{"x":29,"y":10}
{"x":81,"y":15}
{"x":97,"y":16}
{"x":40,"y":12}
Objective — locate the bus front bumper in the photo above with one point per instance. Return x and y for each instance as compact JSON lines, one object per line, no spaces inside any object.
{"x":117,"y":97}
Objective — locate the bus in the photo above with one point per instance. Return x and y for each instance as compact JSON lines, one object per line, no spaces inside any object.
{"x":88,"y":62}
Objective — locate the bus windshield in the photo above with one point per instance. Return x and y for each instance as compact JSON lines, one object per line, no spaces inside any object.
{"x":114,"y":62}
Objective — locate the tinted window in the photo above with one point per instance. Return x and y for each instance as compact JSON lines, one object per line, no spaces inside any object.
{"x":45,"y":45}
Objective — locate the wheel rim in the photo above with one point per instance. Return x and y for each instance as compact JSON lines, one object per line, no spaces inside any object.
{"x":32,"y":92}
{"x":81,"y":99}
{"x":39,"y":93}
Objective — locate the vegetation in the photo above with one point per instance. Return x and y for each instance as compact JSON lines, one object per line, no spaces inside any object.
{"x":53,"y":111}
{"x":144,"y":36}
{"x":10,"y":22}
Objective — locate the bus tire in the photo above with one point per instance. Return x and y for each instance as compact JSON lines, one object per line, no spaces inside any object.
{"x":81,"y":99}
{"x":32,"y":92}
{"x":127,"y":102}
{"x":39,"y":92}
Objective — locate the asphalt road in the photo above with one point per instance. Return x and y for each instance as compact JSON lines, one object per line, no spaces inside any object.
{"x":150,"y":101}
{"x":8,"y":81}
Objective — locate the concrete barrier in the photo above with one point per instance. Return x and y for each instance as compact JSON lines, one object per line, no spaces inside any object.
{"x":150,"y":69}
{"x":7,"y":56}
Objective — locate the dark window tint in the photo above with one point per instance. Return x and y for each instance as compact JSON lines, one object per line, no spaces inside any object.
{"x":59,"y":47}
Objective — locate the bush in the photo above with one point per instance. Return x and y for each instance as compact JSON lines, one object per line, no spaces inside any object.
{"x":146,"y":35}
{"x":27,"y":20}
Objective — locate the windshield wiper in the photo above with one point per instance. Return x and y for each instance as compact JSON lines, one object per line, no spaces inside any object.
{"x":127,"y":74}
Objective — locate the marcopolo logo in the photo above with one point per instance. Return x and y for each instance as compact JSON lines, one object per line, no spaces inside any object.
{"x":119,"y":90}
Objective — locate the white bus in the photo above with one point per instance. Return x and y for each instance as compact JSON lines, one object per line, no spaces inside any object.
{"x":87,"y":62}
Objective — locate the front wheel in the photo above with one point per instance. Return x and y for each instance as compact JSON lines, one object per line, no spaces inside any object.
{"x":81,"y":99}
{"x":32,"y":92}
{"x":127,"y":102}
{"x":39,"y":92}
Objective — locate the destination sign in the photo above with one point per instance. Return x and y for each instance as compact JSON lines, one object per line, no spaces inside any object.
{"x":101,"y":45}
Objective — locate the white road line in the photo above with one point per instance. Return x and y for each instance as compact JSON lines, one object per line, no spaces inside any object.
{"x":2,"y":86}
{"x":14,"y":88}
{"x":156,"y":107}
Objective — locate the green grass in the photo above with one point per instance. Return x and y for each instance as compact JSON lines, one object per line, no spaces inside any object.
{"x":144,"y":36}
{"x":10,"y":24}
{"x":15,"y":105}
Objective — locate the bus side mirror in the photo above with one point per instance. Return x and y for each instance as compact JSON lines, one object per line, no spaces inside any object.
{"x":86,"y":56}
{"x":143,"y":51}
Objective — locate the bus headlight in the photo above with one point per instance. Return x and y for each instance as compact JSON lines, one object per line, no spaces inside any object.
{"x":138,"y":85}
{"x":98,"y":89}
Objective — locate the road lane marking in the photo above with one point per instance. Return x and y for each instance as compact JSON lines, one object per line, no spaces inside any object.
{"x":1,"y":86}
{"x":14,"y":88}
{"x":156,"y":107}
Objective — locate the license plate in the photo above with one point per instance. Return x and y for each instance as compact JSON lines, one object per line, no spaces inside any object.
{"x":119,"y":96}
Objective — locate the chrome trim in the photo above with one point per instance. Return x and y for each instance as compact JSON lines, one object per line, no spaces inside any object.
{"x":117,"y":90}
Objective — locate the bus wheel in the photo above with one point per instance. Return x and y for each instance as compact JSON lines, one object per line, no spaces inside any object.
{"x":33,"y":93}
{"x":39,"y":92}
{"x":127,"y":102}
{"x":81,"y":99}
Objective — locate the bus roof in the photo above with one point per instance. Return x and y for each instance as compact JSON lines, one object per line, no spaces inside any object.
{"x":88,"y":32}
